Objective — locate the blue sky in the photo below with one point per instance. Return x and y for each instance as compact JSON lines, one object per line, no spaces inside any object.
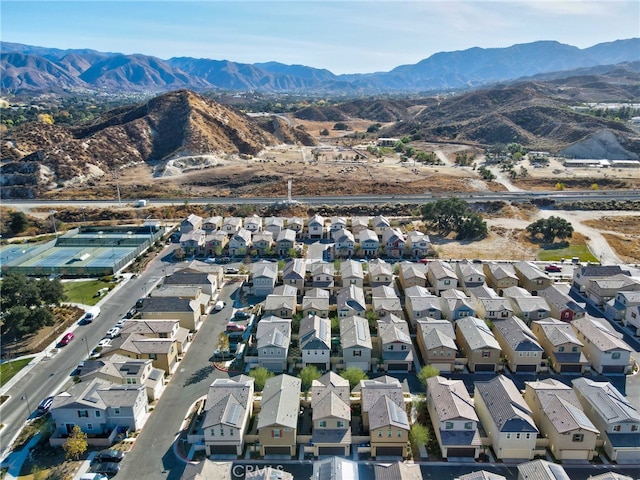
{"x":346,"y":36}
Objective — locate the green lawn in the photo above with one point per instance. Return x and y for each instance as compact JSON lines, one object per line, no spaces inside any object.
{"x":9,"y":369}
{"x":83,"y":292}
{"x":555,"y":255}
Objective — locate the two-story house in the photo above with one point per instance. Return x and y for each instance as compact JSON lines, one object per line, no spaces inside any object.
{"x":453,"y":417}
{"x":531,"y":277}
{"x":273,"y":225}
{"x":351,"y":273}
{"x":285,"y":242}
{"x":264,"y":276}
{"x":316,"y":302}
{"x":315,"y":342}
{"x":561,"y":344}
{"x":355,"y":340}
{"x":600,"y":290}
{"x":359,"y":223}
{"x":295,"y":273}
{"x":335,"y":225}
{"x":500,"y":276}
{"x":240,"y":243}
{"x":253,"y":223}
{"x":441,"y":276}
{"x":278,"y":416}
{"x":297,"y":225}
{"x":436,"y":341}
{"x":344,"y":243}
{"x":421,"y":304}
{"x":469,"y":274}
{"x":380,"y":223}
{"x":530,"y":308}
{"x":455,"y":305}
{"x":193,"y":242}
{"x":163,"y":352}
{"x":227,"y":410}
{"x":385,"y":300}
{"x":190,"y":312}
{"x":351,"y":301}
{"x":369,"y":242}
{"x":283,"y":302}
{"x":413,"y":275}
{"x":519,"y":345}
{"x":372,"y":390}
{"x":207,"y":282}
{"x":380,"y":273}
{"x":231,"y":225}
{"x":316,"y":228}
{"x":506,"y":418}
{"x":323,"y":275}
{"x":604,"y":348}
{"x":215,"y":242}
{"x":478,"y":344}
{"x":262,"y":242}
{"x":616,"y":308}
{"x":582,"y":275}
{"x":191,"y":223}
{"x":331,"y":415}
{"x":418,"y":244}
{"x":273,"y":338}
{"x":562,"y":306}
{"x":394,"y":243}
{"x":395,"y":344}
{"x":211,"y":224}
{"x":158,"y":329}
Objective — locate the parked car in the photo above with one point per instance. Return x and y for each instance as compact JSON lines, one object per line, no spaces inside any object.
{"x":120,"y":323}
{"x":210,"y":260}
{"x":93,"y":476}
{"x":219,"y":305}
{"x":45,"y":405}
{"x":113,"y":332}
{"x":131,"y":313}
{"x":105,"y":342}
{"x":66,"y":339}
{"x":109,"y":455}
{"x":552,"y":268}
{"x":234,"y":327}
{"x":222,"y":354}
{"x":242,"y":315}
{"x":106,"y":468}
{"x":231,"y":270}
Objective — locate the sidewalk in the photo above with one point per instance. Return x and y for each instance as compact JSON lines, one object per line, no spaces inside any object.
{"x":16,"y":459}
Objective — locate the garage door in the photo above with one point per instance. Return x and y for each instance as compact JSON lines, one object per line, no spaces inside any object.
{"x":398,"y":367}
{"x":525,"y":368}
{"x":461,"y":452}
{"x":223,"y":449}
{"x":389,"y":451}
{"x":277,"y":450}
{"x":613,"y":369}
{"x":570,"y":368}
{"x":273,"y":367}
{"x":322,"y":367}
{"x":627,"y":456}
{"x":331,"y":451}
{"x":442,"y":367}
{"x":485,"y":367}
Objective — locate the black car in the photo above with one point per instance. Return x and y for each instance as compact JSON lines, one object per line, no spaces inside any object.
{"x":45,"y":405}
{"x":242,"y":314}
{"x":109,"y":455}
{"x":131,"y":313}
{"x":106,"y":468}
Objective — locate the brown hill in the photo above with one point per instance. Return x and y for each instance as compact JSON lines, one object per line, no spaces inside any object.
{"x":174,"y":125}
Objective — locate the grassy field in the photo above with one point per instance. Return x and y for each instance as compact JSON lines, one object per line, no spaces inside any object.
{"x":9,"y":369}
{"x":557,"y":254}
{"x":84,"y":292}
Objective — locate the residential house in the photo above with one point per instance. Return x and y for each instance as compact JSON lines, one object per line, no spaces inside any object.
{"x":294,"y":273}
{"x":262,"y":242}
{"x":215,"y":242}
{"x":253,"y":223}
{"x":203,"y":267}
{"x":189,"y":311}
{"x":455,"y":304}
{"x":441,"y":276}
{"x":519,"y":345}
{"x":395,"y":344}
{"x":436,"y":340}
{"x":412,"y":275}
{"x":273,"y":338}
{"x":478,"y":344}
{"x":562,"y":306}
{"x":394,"y":243}
{"x":315,"y":227}
{"x":335,"y":225}
{"x":480,"y":475}
{"x":369,"y":242}
{"x":604,"y":348}
{"x":380,"y":223}
{"x":488,"y":304}
{"x":283,"y":302}
{"x":231,"y":225}
{"x":373,"y":390}
{"x":274,"y":225}
{"x":582,"y":275}
{"x":316,"y":302}
{"x":315,"y":342}
{"x":600,"y":290}
{"x":560,"y":343}
{"x":355,"y":340}
{"x":558,"y":414}
{"x":122,"y":370}
{"x":617,"y":308}
{"x":158,"y":329}
{"x":100,"y":409}
{"x":418,"y":244}
{"x":389,"y":429}
{"x":191,"y":223}
{"x":209,"y":470}
{"x":322,"y":275}
{"x":541,"y":470}
{"x":265,"y":473}
{"x":227,"y":410}
{"x":193,"y":242}
{"x":285,"y":242}
{"x":297,"y":225}
{"x":263,"y":277}
{"x":359,"y":223}
{"x":453,"y":417}
{"x":380,"y":273}
{"x":385,"y":300}
{"x":506,"y":418}
{"x":351,"y":273}
{"x":531,"y":277}
{"x":350,"y":301}
{"x":212,"y":224}
{"x":397,"y":471}
{"x":617,"y":419}
{"x":469,"y":274}
{"x":331,"y":415}
{"x":163,"y":352}
{"x":278,"y":416}
{"x":335,"y":468}
{"x":421,"y":304}
{"x":500,"y":276}
{"x":530,"y":308}
{"x":240,"y":243}
{"x":344,"y":243}
{"x":207,"y":282}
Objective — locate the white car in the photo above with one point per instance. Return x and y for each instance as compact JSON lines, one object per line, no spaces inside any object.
{"x":113,"y":332}
{"x":120,"y":323}
{"x":105,"y":342}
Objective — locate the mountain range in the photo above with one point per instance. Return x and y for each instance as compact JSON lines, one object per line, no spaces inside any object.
{"x":32,"y":69}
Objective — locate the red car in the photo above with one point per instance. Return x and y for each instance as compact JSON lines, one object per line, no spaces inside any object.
{"x":552,"y":268}
{"x":66,"y":339}
{"x":234,"y":327}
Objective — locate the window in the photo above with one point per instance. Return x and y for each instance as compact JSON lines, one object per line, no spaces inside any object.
{"x":574,"y":349}
{"x":131,"y":381}
{"x":271,"y":352}
{"x":634,"y":428}
{"x":528,"y":436}
{"x":322,"y":423}
{"x":357,"y":353}
{"x":508,"y":436}
{"x":97,"y":413}
{"x":389,"y":433}
{"x":221,"y":432}
{"x":447,"y":282}
{"x":83,"y":413}
{"x":505,"y":314}
{"x":89,"y":426}
{"x":561,"y":349}
{"x":153,"y":356}
{"x":403,"y":347}
{"x":616,"y":428}
{"x":276,"y":432}
{"x":615,"y":355}
{"x":520,"y":354}
{"x":486,"y":353}
{"x":448,"y":425}
{"x":379,"y":433}
{"x":578,"y":437}
{"x":213,"y":432}
{"x":518,"y":436}
{"x":468,"y":425}
{"x":399,"y":433}
{"x":390,"y":347}
{"x":340,"y":424}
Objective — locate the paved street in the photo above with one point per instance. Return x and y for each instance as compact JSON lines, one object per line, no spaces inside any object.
{"x":152,"y":456}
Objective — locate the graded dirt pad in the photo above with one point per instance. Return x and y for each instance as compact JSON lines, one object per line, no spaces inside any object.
{"x":622,"y":233}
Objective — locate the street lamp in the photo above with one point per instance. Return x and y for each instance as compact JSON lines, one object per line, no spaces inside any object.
{"x":26,"y":397}
{"x":86,"y":345}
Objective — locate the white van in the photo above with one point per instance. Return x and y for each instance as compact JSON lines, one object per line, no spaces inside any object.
{"x":218,"y":306}
{"x":93,"y":476}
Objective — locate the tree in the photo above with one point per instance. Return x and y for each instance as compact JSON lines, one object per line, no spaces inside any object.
{"x":18,"y":222}
{"x":260,"y":376}
{"x":51,"y":291}
{"x":308,"y":374}
{"x":453,"y":214}
{"x":354,"y":375}
{"x":548,"y":229}
{"x":76,"y":444}
{"x":223,"y":341}
{"x":419,"y":435}
{"x":426,"y":373}
{"x":340,"y":126}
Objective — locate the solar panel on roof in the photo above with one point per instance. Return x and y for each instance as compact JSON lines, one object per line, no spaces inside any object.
{"x":360,"y":331}
{"x":393,"y":412}
{"x":234,"y":414}
{"x":323,"y":329}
